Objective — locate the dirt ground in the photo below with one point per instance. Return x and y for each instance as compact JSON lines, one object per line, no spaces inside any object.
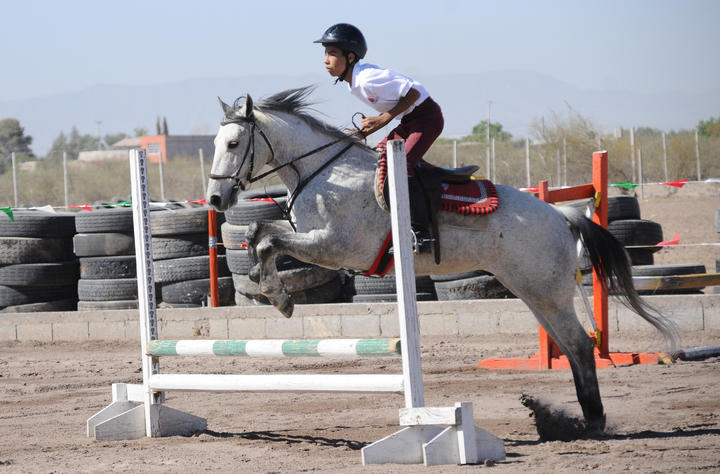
{"x":661,"y":418}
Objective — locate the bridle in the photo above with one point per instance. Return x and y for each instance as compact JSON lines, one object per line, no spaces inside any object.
{"x":250,"y":154}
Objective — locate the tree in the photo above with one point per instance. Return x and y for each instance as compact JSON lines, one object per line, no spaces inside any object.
{"x":74,"y":144}
{"x":158,"y":127}
{"x":709,"y":127}
{"x":140,"y":131}
{"x":479,"y":132}
{"x":164,"y":126}
{"x":112,"y":138}
{"x":13,"y":138}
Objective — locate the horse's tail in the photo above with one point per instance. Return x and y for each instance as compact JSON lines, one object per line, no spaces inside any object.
{"x":612,"y":264}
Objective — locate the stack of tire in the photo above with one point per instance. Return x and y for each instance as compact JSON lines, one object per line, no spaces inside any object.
{"x":38,"y":270}
{"x":307,"y":283}
{"x":105,"y":244}
{"x":469,"y":286}
{"x":384,"y":289}
{"x":627,"y":226}
{"x":181,"y":262}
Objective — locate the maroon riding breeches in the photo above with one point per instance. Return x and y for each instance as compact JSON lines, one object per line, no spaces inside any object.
{"x":420,"y":128}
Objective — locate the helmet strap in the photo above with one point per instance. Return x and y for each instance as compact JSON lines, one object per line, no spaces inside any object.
{"x":347,"y":66}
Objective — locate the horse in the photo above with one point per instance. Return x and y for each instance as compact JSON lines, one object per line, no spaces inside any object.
{"x":529,"y":245}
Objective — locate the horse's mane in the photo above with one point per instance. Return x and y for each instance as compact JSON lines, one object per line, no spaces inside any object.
{"x":291,"y":101}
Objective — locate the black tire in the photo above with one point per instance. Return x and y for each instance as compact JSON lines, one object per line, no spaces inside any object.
{"x":179,"y":246}
{"x":116,"y":219}
{"x":456,"y":276}
{"x":180,"y":221}
{"x":106,"y":305}
{"x":480,"y":287}
{"x":188,"y":268}
{"x":386,"y":285}
{"x":389,"y":298}
{"x":623,"y":207}
{"x":67,"y":304}
{"x":30,"y":223}
{"x":238,"y":261}
{"x":40,"y":274}
{"x":328,"y":292}
{"x":233,"y":236}
{"x":636,"y":231}
{"x":641,"y":256}
{"x":197,"y":291}
{"x":243,"y":300}
{"x":14,"y":250}
{"x":669,"y":270}
{"x":273,"y":190}
{"x":246,"y":212}
{"x":104,"y":244}
{"x":21,"y":295}
{"x":666,"y":270}
{"x":108,"y":267}
{"x":107,"y":289}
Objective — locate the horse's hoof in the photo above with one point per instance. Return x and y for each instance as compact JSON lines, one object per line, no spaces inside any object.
{"x":287,"y":306}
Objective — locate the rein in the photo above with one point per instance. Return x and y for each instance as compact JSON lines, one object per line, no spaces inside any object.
{"x":250,"y":152}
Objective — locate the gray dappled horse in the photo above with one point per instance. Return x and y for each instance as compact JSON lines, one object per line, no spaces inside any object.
{"x":529,"y":245}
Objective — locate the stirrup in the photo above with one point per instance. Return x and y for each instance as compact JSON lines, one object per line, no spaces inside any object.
{"x":422,"y":245}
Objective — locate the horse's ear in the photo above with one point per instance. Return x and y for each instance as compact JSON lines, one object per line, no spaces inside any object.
{"x":248,"y":106}
{"x":225,"y":108}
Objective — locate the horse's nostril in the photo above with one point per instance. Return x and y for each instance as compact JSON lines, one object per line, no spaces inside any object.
{"x":215,"y":200}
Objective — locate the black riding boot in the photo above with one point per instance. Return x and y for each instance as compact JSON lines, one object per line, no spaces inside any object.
{"x":419,"y":217}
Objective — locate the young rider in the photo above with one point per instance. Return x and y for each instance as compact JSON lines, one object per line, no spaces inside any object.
{"x":392,"y":95}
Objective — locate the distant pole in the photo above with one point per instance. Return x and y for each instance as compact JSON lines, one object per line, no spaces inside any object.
{"x":632,"y":153}
{"x":65,"y":179}
{"x":564,"y":162}
{"x":162,"y":183}
{"x":98,"y":122}
{"x":697,"y":154}
{"x":202,"y":171}
{"x":492,"y":155}
{"x":640,"y":173}
{"x":487,"y":148}
{"x":455,"y":154}
{"x":15,"y":192}
{"x":559,"y":168}
{"x":527,"y":160}
{"x":664,"y":144}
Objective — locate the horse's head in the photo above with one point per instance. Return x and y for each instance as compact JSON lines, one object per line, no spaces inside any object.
{"x":237,"y":154}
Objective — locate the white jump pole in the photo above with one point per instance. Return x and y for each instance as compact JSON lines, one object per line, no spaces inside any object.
{"x":422,"y":441}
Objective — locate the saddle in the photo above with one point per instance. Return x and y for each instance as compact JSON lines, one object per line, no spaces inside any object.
{"x":432,"y":178}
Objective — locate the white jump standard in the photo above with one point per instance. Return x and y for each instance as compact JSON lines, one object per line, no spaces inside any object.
{"x":138,"y":410}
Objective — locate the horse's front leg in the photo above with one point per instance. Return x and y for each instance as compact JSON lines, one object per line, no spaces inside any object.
{"x":255,"y":233}
{"x":307,"y":247}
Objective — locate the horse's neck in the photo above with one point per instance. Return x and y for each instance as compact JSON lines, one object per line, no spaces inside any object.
{"x":292,"y":137}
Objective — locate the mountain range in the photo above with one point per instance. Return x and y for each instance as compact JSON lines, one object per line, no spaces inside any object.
{"x":191,"y":107}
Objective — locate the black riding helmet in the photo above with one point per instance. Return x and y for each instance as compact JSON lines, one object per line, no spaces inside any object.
{"x":348,"y":38}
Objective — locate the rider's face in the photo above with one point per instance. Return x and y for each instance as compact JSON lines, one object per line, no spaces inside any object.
{"x":334,"y":61}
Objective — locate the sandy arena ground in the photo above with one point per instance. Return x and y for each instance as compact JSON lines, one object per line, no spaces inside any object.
{"x":661,"y":418}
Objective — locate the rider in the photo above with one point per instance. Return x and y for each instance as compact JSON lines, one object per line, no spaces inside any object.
{"x":392,"y":95}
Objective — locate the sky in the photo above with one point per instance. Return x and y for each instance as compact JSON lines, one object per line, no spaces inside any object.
{"x":51,"y":47}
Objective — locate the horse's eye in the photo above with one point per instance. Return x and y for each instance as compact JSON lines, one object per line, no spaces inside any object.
{"x":232,"y":144}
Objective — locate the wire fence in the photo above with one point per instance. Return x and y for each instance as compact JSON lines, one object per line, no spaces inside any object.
{"x":519,"y":163}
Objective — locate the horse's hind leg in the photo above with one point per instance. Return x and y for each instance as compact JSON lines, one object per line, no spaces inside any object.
{"x":565,"y":329}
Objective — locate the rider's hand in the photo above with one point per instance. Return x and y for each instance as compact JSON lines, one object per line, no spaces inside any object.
{"x":370,"y":125}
